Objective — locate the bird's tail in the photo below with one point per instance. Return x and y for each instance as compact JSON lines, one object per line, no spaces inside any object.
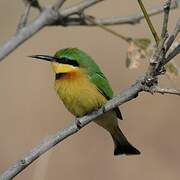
{"x":122,"y":146}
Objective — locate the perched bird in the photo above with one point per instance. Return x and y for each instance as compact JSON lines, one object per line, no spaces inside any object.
{"x":82,"y":87}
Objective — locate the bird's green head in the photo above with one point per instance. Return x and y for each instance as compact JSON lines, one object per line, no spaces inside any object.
{"x":70,"y":60}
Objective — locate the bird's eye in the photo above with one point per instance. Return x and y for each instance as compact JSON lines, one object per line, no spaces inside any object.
{"x":65,"y":60}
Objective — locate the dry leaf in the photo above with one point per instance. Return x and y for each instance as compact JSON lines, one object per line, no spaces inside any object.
{"x":137,"y":51}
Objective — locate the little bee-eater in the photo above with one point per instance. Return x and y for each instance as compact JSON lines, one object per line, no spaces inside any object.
{"x":82,"y":87}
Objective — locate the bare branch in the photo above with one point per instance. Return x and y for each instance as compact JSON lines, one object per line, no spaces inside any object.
{"x":177,"y":28}
{"x":76,"y":9}
{"x":167,"y":6}
{"x":47,"y":17}
{"x":132,"y":19}
{"x":173,"y":35}
{"x":50,"y":16}
{"x":25,"y":33}
{"x":174,"y":53}
{"x":47,"y":144}
{"x":156,"y":58}
{"x":163,"y":91}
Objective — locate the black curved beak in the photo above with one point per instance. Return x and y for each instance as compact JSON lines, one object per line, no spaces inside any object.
{"x":43,"y":57}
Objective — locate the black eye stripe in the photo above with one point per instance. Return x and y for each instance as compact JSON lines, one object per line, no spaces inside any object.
{"x":59,"y":75}
{"x":65,"y":60}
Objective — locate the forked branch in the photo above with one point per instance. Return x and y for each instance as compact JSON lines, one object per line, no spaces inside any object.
{"x":53,"y":16}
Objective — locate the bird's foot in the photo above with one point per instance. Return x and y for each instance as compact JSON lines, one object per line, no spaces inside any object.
{"x":104,"y":109}
{"x":78,"y":124}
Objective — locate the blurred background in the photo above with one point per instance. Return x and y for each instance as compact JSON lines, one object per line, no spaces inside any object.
{"x":31,"y":111}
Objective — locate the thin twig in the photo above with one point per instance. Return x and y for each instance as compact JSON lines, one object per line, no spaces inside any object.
{"x":92,"y":20}
{"x":177,"y":28}
{"x":174,"y":53}
{"x":24,"y":17}
{"x":131,"y":19}
{"x":167,"y":6}
{"x":164,"y":35}
{"x":58,"y":4}
{"x":173,"y":35}
{"x":151,"y":27}
{"x":48,"y":16}
{"x":158,"y":60}
{"x":163,"y":91}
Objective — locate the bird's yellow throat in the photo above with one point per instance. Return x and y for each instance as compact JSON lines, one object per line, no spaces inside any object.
{"x":78,"y":94}
{"x":62,"y":68}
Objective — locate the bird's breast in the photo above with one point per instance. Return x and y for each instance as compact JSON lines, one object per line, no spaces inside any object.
{"x":79,"y":94}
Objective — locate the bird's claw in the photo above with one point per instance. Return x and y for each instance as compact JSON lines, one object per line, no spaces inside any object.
{"x":104,"y":109}
{"x":78,"y":124}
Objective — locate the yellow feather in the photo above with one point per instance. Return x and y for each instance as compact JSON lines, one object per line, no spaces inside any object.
{"x":63,"y":68}
{"x":78,"y":94}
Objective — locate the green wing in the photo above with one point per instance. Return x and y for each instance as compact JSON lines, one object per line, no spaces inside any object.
{"x":103,"y":86}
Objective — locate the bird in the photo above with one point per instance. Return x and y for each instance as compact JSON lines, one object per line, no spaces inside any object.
{"x":83,"y":88}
